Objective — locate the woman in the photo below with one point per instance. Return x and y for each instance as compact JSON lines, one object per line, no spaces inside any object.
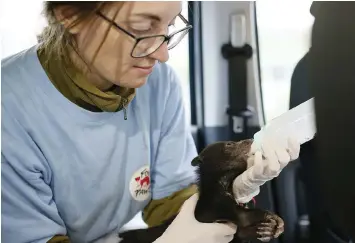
{"x":93,"y":128}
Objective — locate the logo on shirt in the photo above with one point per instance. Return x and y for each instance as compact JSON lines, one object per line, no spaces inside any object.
{"x":140,"y":184}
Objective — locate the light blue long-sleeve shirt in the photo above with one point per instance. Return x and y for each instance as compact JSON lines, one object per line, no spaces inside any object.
{"x":66,"y":170}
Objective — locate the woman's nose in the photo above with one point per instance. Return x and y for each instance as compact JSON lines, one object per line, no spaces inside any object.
{"x":161,"y":54}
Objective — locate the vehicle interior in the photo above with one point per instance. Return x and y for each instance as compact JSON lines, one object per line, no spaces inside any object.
{"x":242,"y":64}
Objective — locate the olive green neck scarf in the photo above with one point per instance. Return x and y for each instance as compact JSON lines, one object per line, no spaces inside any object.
{"x":75,"y":87}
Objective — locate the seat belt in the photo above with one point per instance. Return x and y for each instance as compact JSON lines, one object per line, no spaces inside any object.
{"x":237,"y":52}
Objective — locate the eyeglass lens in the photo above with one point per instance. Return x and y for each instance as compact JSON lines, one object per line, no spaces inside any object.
{"x":149,"y":45}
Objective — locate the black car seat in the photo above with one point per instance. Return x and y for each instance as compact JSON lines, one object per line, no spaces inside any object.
{"x":318,"y":225}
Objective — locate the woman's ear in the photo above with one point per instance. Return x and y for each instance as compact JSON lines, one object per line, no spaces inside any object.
{"x":196,"y":161}
{"x":67,"y":17}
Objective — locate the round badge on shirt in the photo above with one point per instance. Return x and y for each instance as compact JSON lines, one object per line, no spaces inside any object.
{"x":140,"y":184}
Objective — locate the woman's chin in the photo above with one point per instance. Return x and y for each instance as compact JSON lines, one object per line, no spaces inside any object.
{"x":132,"y":83}
{"x":139,"y":82}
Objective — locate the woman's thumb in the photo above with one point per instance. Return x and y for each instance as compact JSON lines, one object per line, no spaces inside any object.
{"x":190,"y":205}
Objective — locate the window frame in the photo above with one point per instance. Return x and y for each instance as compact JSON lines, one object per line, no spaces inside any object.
{"x":196,"y":71}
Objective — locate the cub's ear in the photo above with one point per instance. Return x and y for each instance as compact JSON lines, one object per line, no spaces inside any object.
{"x":196,"y":161}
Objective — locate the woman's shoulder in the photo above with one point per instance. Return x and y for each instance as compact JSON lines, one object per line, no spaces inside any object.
{"x":21,"y":76}
{"x":17,"y":72}
{"x":18,"y":60}
{"x":163,"y":79}
{"x":161,"y":92}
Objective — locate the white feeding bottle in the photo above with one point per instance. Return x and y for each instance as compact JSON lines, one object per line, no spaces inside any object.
{"x":298,"y":122}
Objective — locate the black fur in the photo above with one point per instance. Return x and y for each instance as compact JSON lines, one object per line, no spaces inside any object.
{"x":218,"y":165}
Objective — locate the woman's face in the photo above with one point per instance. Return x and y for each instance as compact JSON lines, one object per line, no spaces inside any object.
{"x":113,"y":63}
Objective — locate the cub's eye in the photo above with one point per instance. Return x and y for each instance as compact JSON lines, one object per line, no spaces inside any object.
{"x":229,"y":144}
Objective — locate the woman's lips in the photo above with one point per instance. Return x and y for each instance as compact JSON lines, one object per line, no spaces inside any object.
{"x":144,"y":70}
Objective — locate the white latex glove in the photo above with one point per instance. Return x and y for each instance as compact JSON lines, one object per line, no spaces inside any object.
{"x":263,"y":165}
{"x":185,"y":228}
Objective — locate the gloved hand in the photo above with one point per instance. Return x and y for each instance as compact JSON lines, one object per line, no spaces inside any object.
{"x":264,"y":164}
{"x":185,"y":228}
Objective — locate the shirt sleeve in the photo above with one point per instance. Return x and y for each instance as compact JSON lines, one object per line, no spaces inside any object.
{"x":28,"y":212}
{"x":158,"y":211}
{"x":172,"y":170}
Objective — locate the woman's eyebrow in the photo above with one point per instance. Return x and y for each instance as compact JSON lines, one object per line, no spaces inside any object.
{"x":152,"y":16}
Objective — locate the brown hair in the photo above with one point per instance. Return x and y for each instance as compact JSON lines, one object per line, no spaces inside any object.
{"x":55,"y":39}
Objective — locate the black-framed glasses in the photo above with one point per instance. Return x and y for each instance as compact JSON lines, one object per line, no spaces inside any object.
{"x":147,"y":45}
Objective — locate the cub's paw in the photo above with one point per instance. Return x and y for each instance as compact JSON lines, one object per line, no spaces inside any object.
{"x":272,"y":227}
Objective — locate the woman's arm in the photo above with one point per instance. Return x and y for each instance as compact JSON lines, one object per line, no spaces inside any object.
{"x":29,"y":213}
{"x":173,"y":177}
